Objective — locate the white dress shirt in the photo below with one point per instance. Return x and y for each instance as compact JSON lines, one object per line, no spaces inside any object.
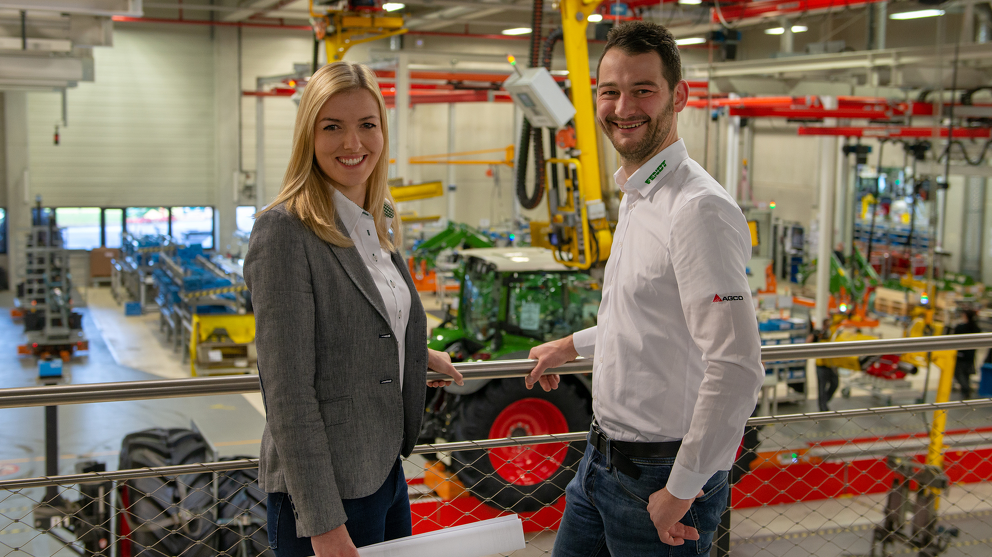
{"x":676,"y":347}
{"x":393,"y":289}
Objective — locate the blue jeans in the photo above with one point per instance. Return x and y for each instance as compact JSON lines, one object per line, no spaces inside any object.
{"x":606,"y":511}
{"x":384,"y":515}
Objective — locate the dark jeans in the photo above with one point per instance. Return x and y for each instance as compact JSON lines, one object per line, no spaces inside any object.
{"x":384,"y":515}
{"x":606,"y":511}
{"x":963,"y":369}
{"x":826,"y":385}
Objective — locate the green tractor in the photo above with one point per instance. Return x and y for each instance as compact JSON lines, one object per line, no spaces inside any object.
{"x":513,"y":299}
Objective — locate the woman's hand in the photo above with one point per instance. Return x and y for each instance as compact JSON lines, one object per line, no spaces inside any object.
{"x":336,"y":543}
{"x":441,"y":363}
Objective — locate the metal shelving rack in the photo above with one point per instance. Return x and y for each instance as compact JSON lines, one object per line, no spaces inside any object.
{"x":45,"y":296}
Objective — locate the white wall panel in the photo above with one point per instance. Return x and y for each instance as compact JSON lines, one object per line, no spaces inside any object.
{"x":141,"y":134}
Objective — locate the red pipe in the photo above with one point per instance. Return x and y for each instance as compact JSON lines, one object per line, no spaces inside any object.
{"x":916,"y":132}
{"x":126,"y":19}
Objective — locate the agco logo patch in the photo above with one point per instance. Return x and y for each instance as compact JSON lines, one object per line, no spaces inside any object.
{"x":718,"y":298}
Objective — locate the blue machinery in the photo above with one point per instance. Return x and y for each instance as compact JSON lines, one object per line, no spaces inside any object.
{"x":204,"y":305}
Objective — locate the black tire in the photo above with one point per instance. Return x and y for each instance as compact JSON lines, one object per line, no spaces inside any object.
{"x":475,"y":420}
{"x":168,"y":515}
{"x":242,"y":514}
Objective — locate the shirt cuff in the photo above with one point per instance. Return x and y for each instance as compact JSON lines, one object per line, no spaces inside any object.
{"x":684,"y":483}
{"x":584,"y":342}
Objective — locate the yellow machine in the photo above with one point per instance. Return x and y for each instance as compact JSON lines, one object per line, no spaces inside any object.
{"x":222,"y":344}
{"x":578,"y":215}
{"x":341,"y":27}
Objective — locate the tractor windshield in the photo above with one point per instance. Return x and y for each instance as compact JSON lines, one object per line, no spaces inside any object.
{"x":549,"y":306}
{"x":479,"y":305}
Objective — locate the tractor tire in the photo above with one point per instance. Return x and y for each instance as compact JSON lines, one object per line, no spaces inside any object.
{"x":168,"y":515}
{"x":242,"y":514}
{"x":520,"y":479}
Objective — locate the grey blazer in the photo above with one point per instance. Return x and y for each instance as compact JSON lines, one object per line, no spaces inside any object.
{"x":336,"y":419}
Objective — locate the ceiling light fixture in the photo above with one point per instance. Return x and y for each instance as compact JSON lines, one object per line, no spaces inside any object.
{"x":595,"y":18}
{"x":917,"y":14}
{"x":781,"y":30}
{"x":393,"y":6}
{"x":690,"y":40}
{"x":691,"y":2}
{"x":517,"y":31}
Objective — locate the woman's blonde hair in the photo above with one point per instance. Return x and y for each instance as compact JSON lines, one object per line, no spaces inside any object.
{"x":306,"y":189}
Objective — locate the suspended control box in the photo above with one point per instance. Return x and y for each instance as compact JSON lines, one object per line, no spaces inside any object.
{"x":542,"y":100}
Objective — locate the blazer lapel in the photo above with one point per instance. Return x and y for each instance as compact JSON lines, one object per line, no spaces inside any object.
{"x":358,"y":271}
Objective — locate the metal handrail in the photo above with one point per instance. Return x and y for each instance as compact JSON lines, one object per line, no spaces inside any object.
{"x":501,"y":369}
{"x":250,"y":463}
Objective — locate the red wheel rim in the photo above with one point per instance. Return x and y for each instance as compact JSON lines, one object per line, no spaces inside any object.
{"x":536,"y":463}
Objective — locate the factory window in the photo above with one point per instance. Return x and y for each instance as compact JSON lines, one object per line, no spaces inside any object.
{"x":80,"y":225}
{"x":147,"y":221}
{"x":113,"y":227}
{"x":3,"y":230}
{"x":244,"y":217}
{"x":193,"y":225}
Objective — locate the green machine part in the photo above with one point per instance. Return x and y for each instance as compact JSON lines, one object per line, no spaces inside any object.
{"x":840,"y":278}
{"x":455,"y":235}
{"x":865,"y":269}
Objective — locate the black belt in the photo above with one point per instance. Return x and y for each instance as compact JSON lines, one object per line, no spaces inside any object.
{"x":620,"y":452}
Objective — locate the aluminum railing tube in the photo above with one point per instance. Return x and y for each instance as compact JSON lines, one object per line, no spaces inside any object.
{"x":127,"y":390}
{"x":198,"y":386}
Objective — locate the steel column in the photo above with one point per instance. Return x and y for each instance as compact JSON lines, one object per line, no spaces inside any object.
{"x":451,"y":168}
{"x":402,"y":128}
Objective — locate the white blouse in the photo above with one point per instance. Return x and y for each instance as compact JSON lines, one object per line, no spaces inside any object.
{"x":393,"y":289}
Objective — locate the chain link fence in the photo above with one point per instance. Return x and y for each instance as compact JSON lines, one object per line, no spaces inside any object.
{"x":874,"y":482}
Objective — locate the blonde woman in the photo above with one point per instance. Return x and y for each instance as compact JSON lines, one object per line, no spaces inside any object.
{"x":341,"y":333}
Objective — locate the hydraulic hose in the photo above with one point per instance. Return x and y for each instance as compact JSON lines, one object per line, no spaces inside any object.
{"x":528,"y":132}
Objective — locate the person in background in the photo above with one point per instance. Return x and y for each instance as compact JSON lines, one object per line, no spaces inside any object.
{"x":964,"y":367}
{"x":677,"y":357}
{"x":340,"y":330}
{"x":827,"y":379}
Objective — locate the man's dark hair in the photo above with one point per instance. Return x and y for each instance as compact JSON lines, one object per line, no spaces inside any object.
{"x":638,"y":37}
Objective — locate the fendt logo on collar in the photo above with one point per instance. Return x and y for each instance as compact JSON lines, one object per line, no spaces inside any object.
{"x":717,"y":298}
{"x":656,"y":172}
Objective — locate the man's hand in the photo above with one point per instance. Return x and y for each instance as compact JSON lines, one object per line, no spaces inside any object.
{"x":336,"y":543}
{"x":666,"y":511}
{"x":441,"y":363}
{"x":550,"y":355}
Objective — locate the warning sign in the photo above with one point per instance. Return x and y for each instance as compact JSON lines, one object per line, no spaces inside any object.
{"x":8,"y":469}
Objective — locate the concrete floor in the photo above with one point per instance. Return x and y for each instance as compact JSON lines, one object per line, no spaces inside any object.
{"x":133,"y":349}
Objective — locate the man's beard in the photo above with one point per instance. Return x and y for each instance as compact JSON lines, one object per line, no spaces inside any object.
{"x":657,"y":130}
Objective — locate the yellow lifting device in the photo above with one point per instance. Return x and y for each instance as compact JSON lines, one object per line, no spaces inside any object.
{"x":578,"y":214}
{"x":343,"y":29}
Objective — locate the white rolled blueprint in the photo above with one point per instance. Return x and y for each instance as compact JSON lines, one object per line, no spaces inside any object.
{"x":486,"y":537}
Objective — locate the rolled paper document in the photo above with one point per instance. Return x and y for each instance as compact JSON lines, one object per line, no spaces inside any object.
{"x":478,"y":539}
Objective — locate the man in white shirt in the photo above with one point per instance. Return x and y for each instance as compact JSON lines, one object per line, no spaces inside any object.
{"x":677,"y":357}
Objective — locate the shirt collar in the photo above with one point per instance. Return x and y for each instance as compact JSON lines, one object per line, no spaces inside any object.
{"x":347,"y":211}
{"x":651,"y":173}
